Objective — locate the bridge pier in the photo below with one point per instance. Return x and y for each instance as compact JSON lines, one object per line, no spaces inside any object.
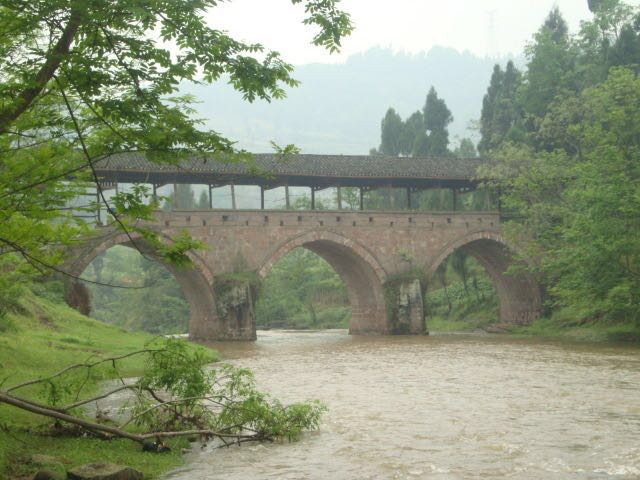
{"x":77,"y":296}
{"x":234,"y":316}
{"x":405,"y":307}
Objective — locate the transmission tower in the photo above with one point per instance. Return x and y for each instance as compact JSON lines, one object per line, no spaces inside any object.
{"x":491,"y":34}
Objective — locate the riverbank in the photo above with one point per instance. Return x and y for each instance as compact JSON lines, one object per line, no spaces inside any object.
{"x":558,"y":326}
{"x":42,"y":338}
{"x":586,"y":331}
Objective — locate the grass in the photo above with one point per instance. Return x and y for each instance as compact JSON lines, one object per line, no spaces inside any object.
{"x":440,"y":324}
{"x":470,"y":310}
{"x":40,"y":339}
{"x":563,"y":324}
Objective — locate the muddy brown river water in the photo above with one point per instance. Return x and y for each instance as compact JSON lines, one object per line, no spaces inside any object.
{"x":440,"y":407}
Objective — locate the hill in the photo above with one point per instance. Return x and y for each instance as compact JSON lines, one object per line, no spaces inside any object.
{"x":338,"y":107}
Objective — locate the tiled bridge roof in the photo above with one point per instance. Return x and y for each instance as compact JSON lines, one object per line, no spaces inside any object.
{"x":299,"y":169}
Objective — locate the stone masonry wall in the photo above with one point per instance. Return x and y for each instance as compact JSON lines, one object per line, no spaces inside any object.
{"x":365,"y":248}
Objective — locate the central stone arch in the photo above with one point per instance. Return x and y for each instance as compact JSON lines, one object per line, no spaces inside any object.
{"x":519,"y":294}
{"x":195,"y":281}
{"x":357,"y":267}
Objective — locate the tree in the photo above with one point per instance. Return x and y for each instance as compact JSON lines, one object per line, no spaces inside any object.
{"x":391,"y":134}
{"x":608,"y":39}
{"x":466,"y":149}
{"x":458,"y":261}
{"x":203,"y":201}
{"x":596,"y":262}
{"x":437,"y":118}
{"x":302,"y":290}
{"x":579,"y":208}
{"x":424,"y":133}
{"x":501,"y":118}
{"x":413,"y":127}
{"x":626,"y":50}
{"x":85,"y":79}
{"x":572,"y":182}
{"x":487,"y":115}
{"x":550,"y":69}
{"x":159,"y":308}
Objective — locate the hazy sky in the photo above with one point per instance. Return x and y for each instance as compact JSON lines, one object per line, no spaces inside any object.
{"x":408,"y":25}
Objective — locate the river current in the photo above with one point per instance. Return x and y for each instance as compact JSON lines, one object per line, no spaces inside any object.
{"x":440,"y":407}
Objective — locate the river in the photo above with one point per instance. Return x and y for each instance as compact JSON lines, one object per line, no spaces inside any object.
{"x":440,"y":407}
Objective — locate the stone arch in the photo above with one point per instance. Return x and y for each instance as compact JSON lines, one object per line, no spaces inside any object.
{"x":194,"y":281}
{"x":357,"y":267}
{"x":519,"y":294}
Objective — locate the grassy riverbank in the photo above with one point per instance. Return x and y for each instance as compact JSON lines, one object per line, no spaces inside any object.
{"x":558,"y":326}
{"x":42,"y":338}
{"x":565,"y":324}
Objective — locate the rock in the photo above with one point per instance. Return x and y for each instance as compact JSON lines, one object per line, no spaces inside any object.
{"x":104,"y":471}
{"x":48,"y":475}
{"x":156,"y":447}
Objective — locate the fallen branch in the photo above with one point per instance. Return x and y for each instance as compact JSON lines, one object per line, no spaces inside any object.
{"x":117,"y":432}
{"x":222,"y":403}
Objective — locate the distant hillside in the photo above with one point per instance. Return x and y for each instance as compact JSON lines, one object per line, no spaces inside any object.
{"x":338,"y":108}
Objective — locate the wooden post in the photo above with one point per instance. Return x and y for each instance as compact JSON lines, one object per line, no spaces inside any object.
{"x":390,"y":193}
{"x":261,"y":197}
{"x":286,"y":197}
{"x":313,"y":198}
{"x":175,"y":196}
{"x":361,"y":199}
{"x":98,"y":219}
{"x":210,"y":197}
{"x":233,"y":196}
{"x":408,"y":198}
{"x":339,"y":197}
{"x":454,"y":198}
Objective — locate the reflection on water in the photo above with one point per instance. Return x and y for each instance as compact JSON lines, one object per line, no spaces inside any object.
{"x":440,"y":407}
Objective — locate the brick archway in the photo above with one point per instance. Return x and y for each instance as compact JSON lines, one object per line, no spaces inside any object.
{"x":519,"y":294}
{"x":194,"y":281}
{"x":361,"y":273}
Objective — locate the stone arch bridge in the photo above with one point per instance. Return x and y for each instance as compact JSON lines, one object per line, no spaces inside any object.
{"x":376,"y":253}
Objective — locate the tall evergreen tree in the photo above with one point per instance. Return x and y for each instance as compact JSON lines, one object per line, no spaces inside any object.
{"x":437,"y":118}
{"x":626,"y":50}
{"x":487,"y":115}
{"x":413,"y":126}
{"x":424,"y":133}
{"x":182,"y":198}
{"x":391,"y":134}
{"x":501,"y":117}
{"x":203,"y":201}
{"x":466,"y":149}
{"x":550,"y":67}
